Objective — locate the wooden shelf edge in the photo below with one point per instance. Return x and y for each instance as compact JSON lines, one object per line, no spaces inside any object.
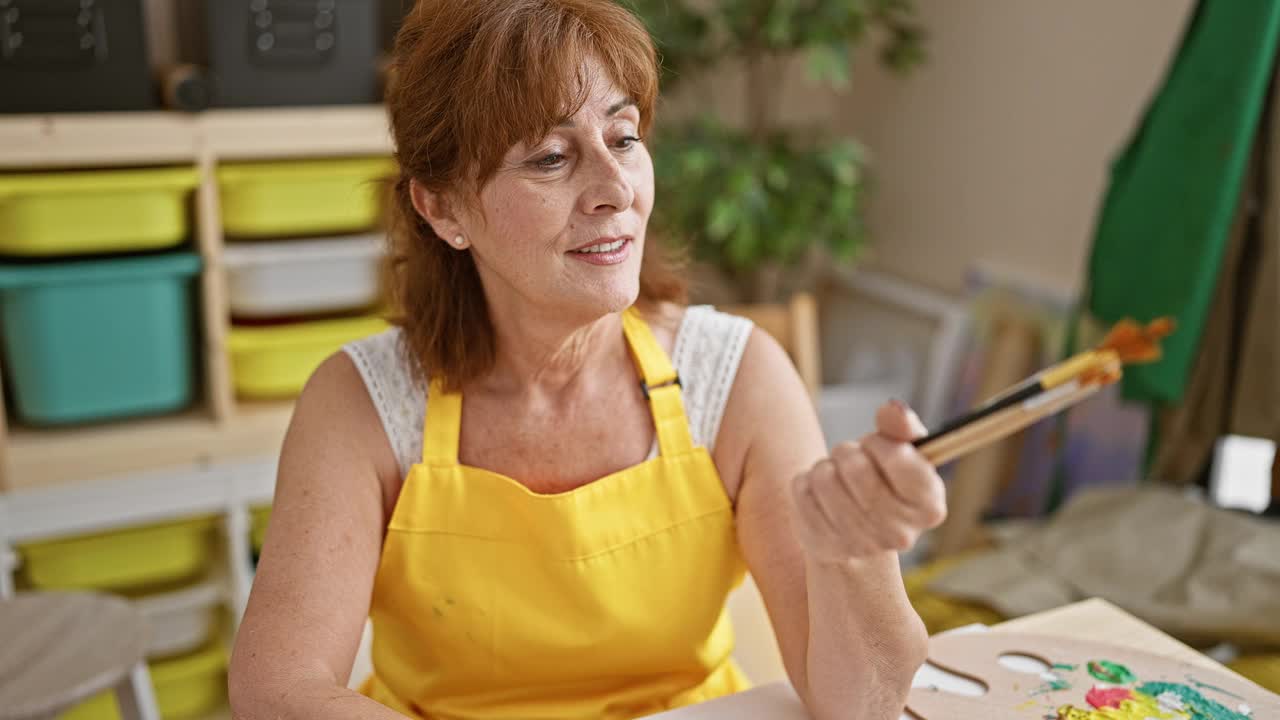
{"x":44,"y":458}
{"x":146,"y":138}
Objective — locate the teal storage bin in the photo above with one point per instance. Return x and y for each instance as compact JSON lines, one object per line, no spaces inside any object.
{"x":98,"y":339}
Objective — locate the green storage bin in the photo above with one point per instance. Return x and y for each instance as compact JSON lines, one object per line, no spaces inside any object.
{"x":121,"y":560}
{"x":80,"y":213}
{"x":187,"y":686}
{"x":274,"y":199}
{"x":98,"y":339}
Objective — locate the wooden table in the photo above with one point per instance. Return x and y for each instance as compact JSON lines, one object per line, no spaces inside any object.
{"x":61,"y":648}
{"x":1096,"y":620}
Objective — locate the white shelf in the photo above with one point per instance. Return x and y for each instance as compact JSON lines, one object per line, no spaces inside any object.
{"x":141,"y":498}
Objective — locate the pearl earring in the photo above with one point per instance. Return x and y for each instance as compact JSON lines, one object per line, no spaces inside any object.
{"x":459,"y":241}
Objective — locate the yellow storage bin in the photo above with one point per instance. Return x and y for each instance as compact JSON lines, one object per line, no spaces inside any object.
{"x":258,"y":527}
{"x":273,"y":199}
{"x":186,"y":686}
{"x":120,"y":560}
{"x":275,"y":361}
{"x":76,"y":213}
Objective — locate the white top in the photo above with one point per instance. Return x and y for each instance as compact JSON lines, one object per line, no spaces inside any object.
{"x":708,"y":348}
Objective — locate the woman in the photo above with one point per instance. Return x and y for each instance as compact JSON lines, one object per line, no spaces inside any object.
{"x":542,"y":484}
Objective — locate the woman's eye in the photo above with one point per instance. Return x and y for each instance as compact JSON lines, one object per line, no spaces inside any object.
{"x":627,"y":142}
{"x":551,"y":160}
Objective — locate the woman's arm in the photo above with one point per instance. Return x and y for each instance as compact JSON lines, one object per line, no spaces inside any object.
{"x":310,"y":597}
{"x":819,"y":536}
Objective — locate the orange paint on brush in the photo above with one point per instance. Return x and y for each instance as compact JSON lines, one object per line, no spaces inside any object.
{"x":1106,"y":370}
{"x":1134,"y":343}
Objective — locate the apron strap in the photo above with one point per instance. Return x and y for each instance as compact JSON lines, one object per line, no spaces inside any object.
{"x":443,"y":426}
{"x":660,"y":383}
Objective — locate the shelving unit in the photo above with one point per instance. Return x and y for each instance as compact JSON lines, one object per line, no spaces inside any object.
{"x":219,"y":457}
{"x":218,"y":428}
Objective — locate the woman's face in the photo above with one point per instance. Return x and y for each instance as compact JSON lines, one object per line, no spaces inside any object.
{"x":562,"y":224}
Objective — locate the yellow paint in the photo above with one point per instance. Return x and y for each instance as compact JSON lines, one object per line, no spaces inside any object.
{"x":1072,"y":368}
{"x":1140,"y":707}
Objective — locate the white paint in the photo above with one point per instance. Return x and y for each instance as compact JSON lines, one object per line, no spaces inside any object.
{"x":1169,"y":701}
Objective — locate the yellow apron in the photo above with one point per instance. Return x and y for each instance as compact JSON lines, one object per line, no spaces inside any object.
{"x":606,"y":601}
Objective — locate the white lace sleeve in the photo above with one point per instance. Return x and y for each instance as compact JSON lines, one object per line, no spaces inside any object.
{"x":709,"y":346}
{"x":398,"y":394}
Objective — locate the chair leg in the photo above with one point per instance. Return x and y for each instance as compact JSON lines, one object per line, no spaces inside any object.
{"x":134,"y":694}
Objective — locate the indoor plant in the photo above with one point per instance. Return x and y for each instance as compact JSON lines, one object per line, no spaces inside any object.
{"x":750,"y":197}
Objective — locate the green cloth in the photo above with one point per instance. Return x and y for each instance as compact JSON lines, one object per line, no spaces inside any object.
{"x":1174,"y":190}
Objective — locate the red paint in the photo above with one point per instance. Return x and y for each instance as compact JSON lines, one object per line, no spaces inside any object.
{"x":1108,"y":697}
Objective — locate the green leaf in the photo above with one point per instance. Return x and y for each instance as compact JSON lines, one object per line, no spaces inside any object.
{"x":697,"y":161}
{"x":722,"y":219}
{"x":742,"y":250}
{"x":776,"y":177}
{"x":829,"y":64}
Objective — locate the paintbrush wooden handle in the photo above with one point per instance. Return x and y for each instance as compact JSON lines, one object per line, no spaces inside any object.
{"x":1002,"y":424}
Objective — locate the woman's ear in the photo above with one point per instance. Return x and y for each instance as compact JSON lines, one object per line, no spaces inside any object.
{"x":436,"y":209}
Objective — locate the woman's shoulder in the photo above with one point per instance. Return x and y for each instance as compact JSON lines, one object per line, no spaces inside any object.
{"x":333,"y":407}
{"x":395,"y":385}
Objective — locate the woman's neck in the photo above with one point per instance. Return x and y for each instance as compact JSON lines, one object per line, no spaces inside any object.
{"x":540,"y":354}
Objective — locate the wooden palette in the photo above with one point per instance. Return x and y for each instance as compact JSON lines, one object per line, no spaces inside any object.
{"x":1013,"y":695}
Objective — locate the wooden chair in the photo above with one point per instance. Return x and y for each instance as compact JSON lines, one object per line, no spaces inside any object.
{"x":795,"y":326}
{"x":62,"y":648}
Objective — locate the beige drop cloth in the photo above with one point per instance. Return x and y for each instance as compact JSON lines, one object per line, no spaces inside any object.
{"x":1202,"y":574}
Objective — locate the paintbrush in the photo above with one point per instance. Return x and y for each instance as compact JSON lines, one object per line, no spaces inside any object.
{"x":1047,"y":392}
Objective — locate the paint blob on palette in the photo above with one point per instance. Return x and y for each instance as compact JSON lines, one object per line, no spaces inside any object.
{"x":1137,"y":700}
{"x":1083,"y":681}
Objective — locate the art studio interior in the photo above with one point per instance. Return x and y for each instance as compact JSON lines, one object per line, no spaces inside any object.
{"x":673,"y":359}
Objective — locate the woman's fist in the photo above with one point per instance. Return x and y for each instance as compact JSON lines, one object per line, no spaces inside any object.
{"x":874,"y":495}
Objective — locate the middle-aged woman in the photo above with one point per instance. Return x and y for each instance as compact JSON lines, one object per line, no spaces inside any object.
{"x":542,"y":484}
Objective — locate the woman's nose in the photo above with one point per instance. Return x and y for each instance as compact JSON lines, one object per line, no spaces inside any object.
{"x":608,"y":190}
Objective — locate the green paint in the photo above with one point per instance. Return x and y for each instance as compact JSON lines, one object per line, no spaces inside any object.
{"x":1109,"y":672}
{"x":1052,"y":683}
{"x":1065,"y":667}
{"x":1215,"y":688}
{"x":1200,"y":707}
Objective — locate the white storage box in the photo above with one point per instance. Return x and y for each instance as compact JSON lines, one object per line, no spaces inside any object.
{"x":181,"y":621}
{"x":299,"y":277}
